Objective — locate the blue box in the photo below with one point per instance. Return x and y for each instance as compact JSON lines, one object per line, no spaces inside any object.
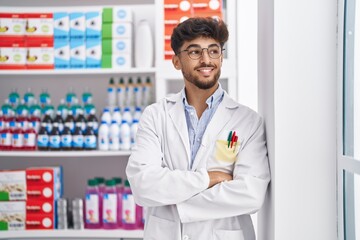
{"x":93,"y":24}
{"x":93,"y":53}
{"x":77,"y":25}
{"x":77,"y":53}
{"x":61,"y":25}
{"x":61,"y":53}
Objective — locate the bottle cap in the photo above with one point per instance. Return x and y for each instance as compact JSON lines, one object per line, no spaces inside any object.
{"x":127,"y":184}
{"x":118,"y":180}
{"x":92,"y":182}
{"x":110,"y":182}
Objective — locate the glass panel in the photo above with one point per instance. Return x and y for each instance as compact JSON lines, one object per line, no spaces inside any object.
{"x":351,"y":206}
{"x":351,"y":106}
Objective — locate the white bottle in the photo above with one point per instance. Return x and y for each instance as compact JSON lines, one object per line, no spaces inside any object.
{"x":114,"y":136}
{"x":111,"y":91}
{"x":137,"y":113}
{"x":103,"y":136}
{"x":146,"y":91}
{"x":106,"y":116}
{"x":125,"y":138}
{"x":133,"y":131}
{"x":127,"y":116}
{"x":138,"y":92}
{"x":129,"y":93}
{"x":121,"y":89}
{"x":116,"y":116}
{"x":144,"y":47}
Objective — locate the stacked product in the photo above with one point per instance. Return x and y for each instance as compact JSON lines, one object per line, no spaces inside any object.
{"x":27,"y":198}
{"x":176,"y":12}
{"x":77,"y":39}
{"x":117,"y":37}
{"x":26,"y":41}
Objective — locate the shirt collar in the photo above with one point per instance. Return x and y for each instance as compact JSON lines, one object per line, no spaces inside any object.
{"x":214,"y":98}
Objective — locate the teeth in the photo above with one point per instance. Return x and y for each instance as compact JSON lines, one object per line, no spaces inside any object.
{"x":205,"y":70}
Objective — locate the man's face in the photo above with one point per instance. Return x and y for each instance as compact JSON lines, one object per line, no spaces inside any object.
{"x":203,"y":72}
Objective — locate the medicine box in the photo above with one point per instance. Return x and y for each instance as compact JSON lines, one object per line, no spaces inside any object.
{"x":40,"y":207}
{"x":12,"y":53}
{"x":77,"y":53}
{"x":42,"y":193}
{"x":77,"y":25}
{"x":116,"y":46}
{"x":116,"y":61}
{"x":117,"y":14}
{"x":61,"y":53}
{"x":40,"y":221}
{"x":12,"y":24}
{"x":40,"y":53}
{"x":116,"y":30}
{"x":93,"y":53}
{"x":61,"y":25}
{"x":46,"y":176}
{"x":39,"y":25}
{"x":12,"y":185}
{"x":12,"y":216}
{"x":93,"y":24}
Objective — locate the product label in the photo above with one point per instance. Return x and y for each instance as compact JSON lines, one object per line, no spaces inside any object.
{"x":54,"y":141}
{"x":43,"y":140}
{"x":90,"y":142}
{"x":29,"y":139}
{"x":78,"y":141}
{"x":92,"y":208}
{"x":6,"y":139}
{"x":66,"y":141}
{"x":129,"y":209}
{"x":110,"y":208}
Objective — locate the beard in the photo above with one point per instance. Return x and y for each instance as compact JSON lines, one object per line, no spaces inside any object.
{"x":204,"y":85}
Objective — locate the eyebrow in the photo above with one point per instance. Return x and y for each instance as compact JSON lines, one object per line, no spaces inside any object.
{"x":197,"y":45}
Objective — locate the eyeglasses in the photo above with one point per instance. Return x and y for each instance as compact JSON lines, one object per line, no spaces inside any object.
{"x":196,"y":53}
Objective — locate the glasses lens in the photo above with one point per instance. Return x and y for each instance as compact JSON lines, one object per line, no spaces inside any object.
{"x":195,"y":52}
{"x":214,"y":52}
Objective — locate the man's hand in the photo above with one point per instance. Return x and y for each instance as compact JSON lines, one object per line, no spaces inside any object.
{"x":218,"y":177}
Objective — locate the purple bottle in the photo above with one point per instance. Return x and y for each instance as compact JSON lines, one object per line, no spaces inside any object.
{"x":110,"y":205}
{"x":119,"y":192}
{"x":93,"y":205}
{"x":129,"y":208}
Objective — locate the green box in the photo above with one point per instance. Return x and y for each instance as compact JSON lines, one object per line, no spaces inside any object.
{"x":107,"y":15}
{"x":106,"y":31}
{"x":107,"y":46}
{"x":106,"y":61}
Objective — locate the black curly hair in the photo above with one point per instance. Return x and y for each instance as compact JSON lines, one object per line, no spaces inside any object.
{"x":199,"y":27}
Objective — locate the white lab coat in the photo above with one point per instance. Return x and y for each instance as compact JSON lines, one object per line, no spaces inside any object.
{"x":178,"y":201}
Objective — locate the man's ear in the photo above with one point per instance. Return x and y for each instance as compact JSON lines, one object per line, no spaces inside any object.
{"x":176,"y":62}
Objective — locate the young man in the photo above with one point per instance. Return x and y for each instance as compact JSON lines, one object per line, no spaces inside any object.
{"x":200,"y":165}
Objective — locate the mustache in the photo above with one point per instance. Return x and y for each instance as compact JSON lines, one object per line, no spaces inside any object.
{"x":204,"y":65}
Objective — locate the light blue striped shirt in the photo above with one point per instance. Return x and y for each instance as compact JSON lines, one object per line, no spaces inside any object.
{"x":197,"y":127}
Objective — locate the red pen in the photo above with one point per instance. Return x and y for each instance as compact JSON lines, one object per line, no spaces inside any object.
{"x":236,"y":139}
{"x":233,"y":139}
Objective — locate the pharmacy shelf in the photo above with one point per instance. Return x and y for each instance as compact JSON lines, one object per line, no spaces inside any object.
{"x":85,"y":71}
{"x":70,"y":233}
{"x":63,"y":153}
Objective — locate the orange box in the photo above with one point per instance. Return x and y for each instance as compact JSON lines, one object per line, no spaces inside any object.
{"x":40,"y":207}
{"x":12,"y":53}
{"x":39,"y":221}
{"x":40,"y":53}
{"x":207,"y":6}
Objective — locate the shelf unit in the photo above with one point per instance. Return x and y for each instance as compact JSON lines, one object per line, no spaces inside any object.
{"x":165,"y":79}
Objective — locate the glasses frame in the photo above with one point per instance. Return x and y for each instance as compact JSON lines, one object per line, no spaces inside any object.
{"x":202,"y":52}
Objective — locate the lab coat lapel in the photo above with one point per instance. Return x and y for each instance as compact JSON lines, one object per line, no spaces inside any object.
{"x":177,"y":115}
{"x":219,"y":120}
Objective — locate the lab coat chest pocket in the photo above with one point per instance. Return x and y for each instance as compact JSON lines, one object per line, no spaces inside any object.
{"x":161,"y":229}
{"x":228,"y":235}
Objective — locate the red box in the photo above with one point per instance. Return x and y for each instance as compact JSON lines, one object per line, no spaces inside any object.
{"x":40,"y":53}
{"x":12,"y":53}
{"x":39,"y":221}
{"x":12,"y":25}
{"x":40,"y":193}
{"x":40,"y":207}
{"x":40,"y":176}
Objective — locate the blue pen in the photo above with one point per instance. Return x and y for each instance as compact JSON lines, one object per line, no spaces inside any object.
{"x":229,"y":138}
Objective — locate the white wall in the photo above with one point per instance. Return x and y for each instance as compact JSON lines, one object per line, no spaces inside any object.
{"x":297,"y":96}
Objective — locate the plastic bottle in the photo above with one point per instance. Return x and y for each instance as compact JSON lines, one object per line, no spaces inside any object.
{"x":87,"y":96}
{"x":50,"y":109}
{"x":6,"y":136}
{"x":103,"y":136}
{"x":93,"y":120}
{"x":119,"y":192}
{"x":78,"y":137}
{"x":144,"y":53}
{"x":43,"y":138}
{"x":125,"y":139}
{"x":146,"y":91}
{"x":129,"y":93}
{"x":137,"y":113}
{"x":111,"y":91}
{"x":116,"y":116}
{"x":121,"y":89}
{"x":6,"y":108}
{"x":81,"y":119}
{"x":93,"y":205}
{"x":140,"y":217}
{"x":127,"y":116}
{"x":54,"y":138}
{"x":114,"y":136}
{"x":128,"y":208}
{"x":106,"y":116}
{"x":12,"y":120}
{"x":35,"y":109}
{"x":110,"y":205}
{"x":88,"y":108}
{"x":70,"y":97}
{"x":14,"y":98}
{"x":17,"y":142}
{"x":90,"y":141}
{"x":22,"y":108}
{"x":34,"y":121}
{"x":76,"y":108}
{"x":63,"y":109}
{"x":59,"y":120}
{"x":44,"y":98}
{"x":47,"y":119}
{"x":101,"y":184}
{"x":23,"y":119}
{"x":30,"y":137}
{"x":138,"y":92}
{"x":29,"y":97}
{"x":70,"y":121}
{"x":133,"y":131}
{"x":66,"y":139}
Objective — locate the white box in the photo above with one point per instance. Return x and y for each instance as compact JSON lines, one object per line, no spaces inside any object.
{"x":117,"y":14}
{"x":93,"y":53}
{"x":12,"y":185}
{"x":121,"y":60}
{"x":61,"y":53}
{"x":77,"y":53}
{"x":77,"y":25}
{"x":61,"y":25}
{"x":93,"y":24}
{"x":12,"y":215}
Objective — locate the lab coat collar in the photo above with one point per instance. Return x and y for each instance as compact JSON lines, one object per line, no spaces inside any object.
{"x":222,"y":115}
